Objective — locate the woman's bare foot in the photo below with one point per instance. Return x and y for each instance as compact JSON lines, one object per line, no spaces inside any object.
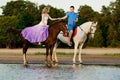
{"x":39,"y":43}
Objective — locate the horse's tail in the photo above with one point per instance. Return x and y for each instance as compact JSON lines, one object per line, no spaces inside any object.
{"x":15,"y":31}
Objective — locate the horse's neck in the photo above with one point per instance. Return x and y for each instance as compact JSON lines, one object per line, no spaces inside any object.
{"x":53,"y":31}
{"x":86,"y":27}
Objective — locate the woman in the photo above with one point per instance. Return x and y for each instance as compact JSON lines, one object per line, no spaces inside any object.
{"x":39,"y":32}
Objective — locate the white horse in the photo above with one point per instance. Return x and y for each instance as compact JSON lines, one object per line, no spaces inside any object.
{"x":78,"y":39}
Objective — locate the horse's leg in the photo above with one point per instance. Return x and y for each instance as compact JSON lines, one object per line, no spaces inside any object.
{"x":54,"y":52}
{"x":54,"y":57}
{"x":46,"y":59}
{"x":25,"y":47}
{"x":51,"y":60}
{"x":75,"y":51}
{"x":80,"y":50}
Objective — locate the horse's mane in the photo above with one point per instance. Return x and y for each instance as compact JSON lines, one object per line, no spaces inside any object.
{"x":56,"y":22}
{"x":85,"y":26}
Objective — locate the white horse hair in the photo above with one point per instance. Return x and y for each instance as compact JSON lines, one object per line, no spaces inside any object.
{"x":79,"y":39}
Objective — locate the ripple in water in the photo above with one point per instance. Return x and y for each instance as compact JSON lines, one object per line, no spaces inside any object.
{"x":61,"y":72}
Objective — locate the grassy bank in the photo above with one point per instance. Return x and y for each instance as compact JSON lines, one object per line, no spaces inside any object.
{"x":63,"y":53}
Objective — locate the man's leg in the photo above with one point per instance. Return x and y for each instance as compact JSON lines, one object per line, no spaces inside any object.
{"x":69,"y":38}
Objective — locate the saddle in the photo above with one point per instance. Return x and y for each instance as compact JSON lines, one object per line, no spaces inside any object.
{"x":74,"y":33}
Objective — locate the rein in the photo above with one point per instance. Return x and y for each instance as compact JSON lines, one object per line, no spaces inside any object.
{"x":90,"y":30}
{"x":85,"y":32}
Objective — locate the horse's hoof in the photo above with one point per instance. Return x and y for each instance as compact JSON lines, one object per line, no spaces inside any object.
{"x":74,"y":62}
{"x":55,"y":62}
{"x":25,"y":65}
{"x":49,"y":66}
{"x":52,"y":66}
{"x":80,"y":62}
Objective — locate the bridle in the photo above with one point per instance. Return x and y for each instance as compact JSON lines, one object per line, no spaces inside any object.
{"x":90,"y":30}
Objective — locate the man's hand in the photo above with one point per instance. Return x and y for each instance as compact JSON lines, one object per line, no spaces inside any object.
{"x":76,"y":20}
{"x":58,"y":18}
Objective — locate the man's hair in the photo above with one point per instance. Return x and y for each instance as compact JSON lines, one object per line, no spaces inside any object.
{"x":72,"y":7}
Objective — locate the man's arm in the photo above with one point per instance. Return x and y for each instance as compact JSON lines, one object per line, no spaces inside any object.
{"x":64,"y":17}
{"x":76,"y":20}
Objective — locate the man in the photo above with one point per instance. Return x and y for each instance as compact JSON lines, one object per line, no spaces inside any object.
{"x":72,"y":19}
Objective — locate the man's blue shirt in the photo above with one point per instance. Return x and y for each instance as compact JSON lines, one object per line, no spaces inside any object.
{"x":72,"y":16}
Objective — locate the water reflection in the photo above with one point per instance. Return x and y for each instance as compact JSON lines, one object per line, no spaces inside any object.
{"x":78,"y":66}
{"x":60,"y":72}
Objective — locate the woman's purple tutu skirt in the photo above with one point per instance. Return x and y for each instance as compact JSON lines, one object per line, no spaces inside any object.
{"x":37,"y":33}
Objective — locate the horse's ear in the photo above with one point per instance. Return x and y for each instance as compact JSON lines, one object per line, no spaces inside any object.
{"x":96,"y":23}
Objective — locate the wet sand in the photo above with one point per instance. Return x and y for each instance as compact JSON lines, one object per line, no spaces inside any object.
{"x":90,"y":56}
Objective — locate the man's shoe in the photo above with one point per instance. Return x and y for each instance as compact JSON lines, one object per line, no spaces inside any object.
{"x":69,"y":44}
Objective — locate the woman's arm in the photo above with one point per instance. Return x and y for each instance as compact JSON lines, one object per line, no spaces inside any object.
{"x":52,"y":18}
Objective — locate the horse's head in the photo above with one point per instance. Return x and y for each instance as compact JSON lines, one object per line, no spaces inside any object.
{"x":63,"y":26}
{"x":92,"y":30}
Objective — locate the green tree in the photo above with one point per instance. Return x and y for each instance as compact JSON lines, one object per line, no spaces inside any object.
{"x":86,"y":12}
{"x":112,"y":37}
{"x":110,"y":24}
{"x":26,"y":11}
{"x":20,"y":14}
{"x":7,"y":39}
{"x":98,"y":39}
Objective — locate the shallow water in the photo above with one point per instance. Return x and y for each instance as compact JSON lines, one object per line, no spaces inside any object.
{"x":60,"y":72}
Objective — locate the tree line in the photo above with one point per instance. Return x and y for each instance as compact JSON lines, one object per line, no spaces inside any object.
{"x":20,"y":14}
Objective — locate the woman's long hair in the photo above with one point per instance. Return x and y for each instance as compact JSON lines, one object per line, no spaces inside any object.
{"x":45,"y":10}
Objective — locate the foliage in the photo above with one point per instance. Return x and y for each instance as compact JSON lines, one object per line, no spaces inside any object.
{"x":86,"y":12}
{"x":20,"y":14}
{"x":108,"y":29}
{"x":5,"y":23}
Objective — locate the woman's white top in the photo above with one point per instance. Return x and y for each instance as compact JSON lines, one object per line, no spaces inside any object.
{"x":45,"y":19}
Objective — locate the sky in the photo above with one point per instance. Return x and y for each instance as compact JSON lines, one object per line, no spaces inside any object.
{"x":65,"y":4}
